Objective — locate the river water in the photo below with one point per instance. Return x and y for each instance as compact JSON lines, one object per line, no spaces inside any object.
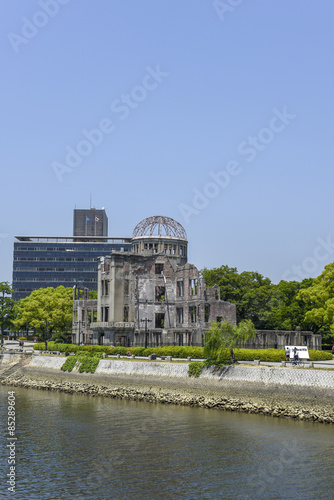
{"x":81,"y":447}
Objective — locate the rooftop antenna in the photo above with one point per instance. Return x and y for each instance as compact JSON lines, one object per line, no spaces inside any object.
{"x":90,"y":200}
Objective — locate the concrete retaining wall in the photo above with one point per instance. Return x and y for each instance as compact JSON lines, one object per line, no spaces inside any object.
{"x":47,"y":362}
{"x":280,"y":376}
{"x":10,"y":358}
{"x":118,"y":367}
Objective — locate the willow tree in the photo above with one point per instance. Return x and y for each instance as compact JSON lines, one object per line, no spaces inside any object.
{"x":223,"y":335}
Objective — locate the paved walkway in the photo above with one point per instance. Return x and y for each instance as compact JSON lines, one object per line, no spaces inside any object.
{"x":14,"y":344}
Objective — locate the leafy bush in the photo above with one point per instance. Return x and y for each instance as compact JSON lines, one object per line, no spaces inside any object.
{"x":53,"y":346}
{"x":195,"y":368}
{"x":22,"y":338}
{"x":69,"y":364}
{"x":87,"y":362}
{"x":175,"y":351}
{"x":320,"y":355}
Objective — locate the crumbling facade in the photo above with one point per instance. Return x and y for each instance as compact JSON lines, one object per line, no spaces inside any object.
{"x":151,"y":296}
{"x":278,"y":339}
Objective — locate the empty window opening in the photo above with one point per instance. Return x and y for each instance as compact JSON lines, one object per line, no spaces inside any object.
{"x":159,"y":268}
{"x":160,"y":293}
{"x":207,"y":313}
{"x":179,"y":315}
{"x":193,"y":286}
{"x":159,"y":320}
{"x":180,"y":289}
{"x":126,"y":313}
{"x":193,"y":314}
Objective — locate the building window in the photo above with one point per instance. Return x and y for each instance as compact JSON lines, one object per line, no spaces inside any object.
{"x":160,"y":293}
{"x":159,"y":268}
{"x":180,"y":339}
{"x":193,"y":286}
{"x":159,"y":320}
{"x":179,"y":315}
{"x":207,"y":313}
{"x":193,"y":314}
{"x":180,"y":289}
{"x":106,"y":314}
{"x":126,"y":313}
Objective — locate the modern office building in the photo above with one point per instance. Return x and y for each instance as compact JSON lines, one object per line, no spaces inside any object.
{"x":51,"y":261}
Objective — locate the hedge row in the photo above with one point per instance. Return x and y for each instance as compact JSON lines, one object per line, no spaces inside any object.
{"x":175,"y":352}
{"x":182,"y":352}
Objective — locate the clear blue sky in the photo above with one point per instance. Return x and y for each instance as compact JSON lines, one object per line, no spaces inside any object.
{"x":183,"y":92}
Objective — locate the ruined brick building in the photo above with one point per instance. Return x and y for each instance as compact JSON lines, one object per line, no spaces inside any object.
{"x":150,"y":296}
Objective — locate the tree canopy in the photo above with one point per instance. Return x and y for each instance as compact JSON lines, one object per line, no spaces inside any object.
{"x":252,"y":293}
{"x":46,"y":310}
{"x":319,"y":300}
{"x":268,"y":306}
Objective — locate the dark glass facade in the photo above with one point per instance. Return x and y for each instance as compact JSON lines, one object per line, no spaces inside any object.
{"x":41,"y":264}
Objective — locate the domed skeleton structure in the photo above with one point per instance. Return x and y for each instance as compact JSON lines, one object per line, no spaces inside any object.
{"x":160,"y":234}
{"x":159,"y":225}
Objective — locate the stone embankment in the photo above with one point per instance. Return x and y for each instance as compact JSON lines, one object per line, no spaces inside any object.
{"x":159,"y":396}
{"x":242,"y":389}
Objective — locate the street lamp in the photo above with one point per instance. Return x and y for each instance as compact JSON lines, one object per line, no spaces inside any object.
{"x":79,"y":322}
{"x":146,"y":331}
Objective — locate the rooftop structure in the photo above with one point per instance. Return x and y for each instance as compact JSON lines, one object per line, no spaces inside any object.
{"x":92,"y":222}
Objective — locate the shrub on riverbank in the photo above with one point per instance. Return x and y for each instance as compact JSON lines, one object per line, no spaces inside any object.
{"x":195,"y":368}
{"x":87,"y":362}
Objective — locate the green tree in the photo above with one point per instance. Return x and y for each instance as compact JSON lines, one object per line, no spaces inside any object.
{"x":253,"y":294}
{"x":319,"y":301}
{"x":288,"y":310}
{"x":46,"y":310}
{"x":223,"y":335}
{"x":6,"y":306}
